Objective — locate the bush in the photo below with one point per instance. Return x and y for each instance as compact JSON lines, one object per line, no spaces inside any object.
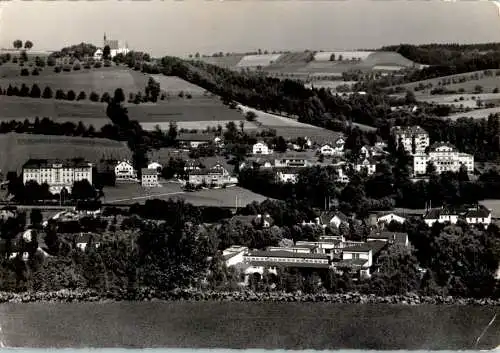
{"x":107,"y":63}
{"x":57,"y":69}
{"x":97,"y":65}
{"x":35,"y":91}
{"x":106,"y":98}
{"x":25,"y":72}
{"x":67,"y":68}
{"x":35,"y":72}
{"x":14,"y":60}
{"x":60,"y":94}
{"x":87,"y":66}
{"x":76,"y":67}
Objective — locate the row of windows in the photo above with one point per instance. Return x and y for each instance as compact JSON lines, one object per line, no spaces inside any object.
{"x":283,"y":259}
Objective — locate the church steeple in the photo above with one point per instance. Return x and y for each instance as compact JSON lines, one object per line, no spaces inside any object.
{"x":104,"y":38}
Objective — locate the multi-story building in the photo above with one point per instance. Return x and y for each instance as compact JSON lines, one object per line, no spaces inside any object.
{"x":411,"y":136}
{"x":261,"y":148}
{"x":149,"y":178}
{"x":57,"y":174}
{"x":295,"y":159}
{"x":445,"y":158}
{"x":216,"y":175}
{"x":124,"y":170}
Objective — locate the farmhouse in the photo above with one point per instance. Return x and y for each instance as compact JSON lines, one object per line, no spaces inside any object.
{"x":329,"y":218}
{"x":216,"y":175}
{"x":478,"y":215}
{"x":57,"y":174}
{"x":149,"y":178}
{"x":194,"y":140}
{"x":445,"y":158}
{"x":334,"y":149}
{"x":367,"y":165}
{"x":441,"y":215}
{"x":261,"y":148}
{"x":415,"y":140}
{"x":124,"y":170}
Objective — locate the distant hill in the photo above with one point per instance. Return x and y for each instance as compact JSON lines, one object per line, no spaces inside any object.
{"x":315,"y":62}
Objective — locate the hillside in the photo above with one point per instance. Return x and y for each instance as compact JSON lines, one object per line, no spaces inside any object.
{"x":16,"y":149}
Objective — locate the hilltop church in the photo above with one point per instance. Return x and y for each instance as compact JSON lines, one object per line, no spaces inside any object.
{"x":115,"y":48}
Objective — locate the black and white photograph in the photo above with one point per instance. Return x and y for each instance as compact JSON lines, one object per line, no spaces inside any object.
{"x":216,"y":175}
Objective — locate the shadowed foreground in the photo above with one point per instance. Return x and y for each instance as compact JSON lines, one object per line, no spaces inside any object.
{"x":246,"y":325}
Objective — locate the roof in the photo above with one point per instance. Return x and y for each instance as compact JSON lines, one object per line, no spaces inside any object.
{"x":442,"y":144}
{"x":47,"y":163}
{"x":387,"y":213}
{"x":288,"y":170}
{"x":259,"y":253}
{"x":480,"y":212}
{"x":415,"y":129}
{"x":397,"y":237}
{"x":326,"y":217}
{"x":435,"y":213}
{"x":146,"y":171}
{"x":186,"y":136}
{"x":351,"y":263}
{"x":375,"y":246}
{"x":287,"y":264}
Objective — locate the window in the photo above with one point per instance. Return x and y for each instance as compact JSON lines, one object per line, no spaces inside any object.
{"x":355,"y":256}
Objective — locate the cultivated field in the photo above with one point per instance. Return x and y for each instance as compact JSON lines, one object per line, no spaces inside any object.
{"x":16,"y":149}
{"x":258,"y":60}
{"x":96,"y":80}
{"x":173,"y":85}
{"x":346,"y":55}
{"x":132,"y":193}
{"x":475,"y":114}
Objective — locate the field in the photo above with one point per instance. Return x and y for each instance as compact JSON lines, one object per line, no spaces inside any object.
{"x":475,"y":114}
{"x":297,"y":63}
{"x":131,"y":193}
{"x":97,"y":80}
{"x":174,"y":85}
{"x":16,"y":149}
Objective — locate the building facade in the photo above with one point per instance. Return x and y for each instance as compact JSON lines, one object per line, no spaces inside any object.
{"x":124,"y":170}
{"x":217,"y":175}
{"x":261,"y":148}
{"x":412,"y":138}
{"x":57,"y":174}
{"x":445,"y":158}
{"x":149,"y":178}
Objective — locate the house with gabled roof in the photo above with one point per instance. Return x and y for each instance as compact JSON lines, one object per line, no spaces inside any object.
{"x":261,"y":148}
{"x":329,"y":218}
{"x":216,"y":175}
{"x":361,"y":258}
{"x":366,"y":164}
{"x":388,"y":217}
{"x":441,"y":215}
{"x":478,"y":215}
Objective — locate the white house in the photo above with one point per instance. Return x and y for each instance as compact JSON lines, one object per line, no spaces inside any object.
{"x":124,"y":170}
{"x":327,"y":150}
{"x":287,"y":175}
{"x":261,"y":148}
{"x":412,"y":138}
{"x":366,"y":164}
{"x":445,"y":158}
{"x":479,"y":215}
{"x":57,"y":174}
{"x":389,"y":217}
{"x":149,"y":178}
{"x":155,"y":165}
{"x":330,"y":218}
{"x":217,"y":175}
{"x":365,"y":152}
{"x":440,"y":215}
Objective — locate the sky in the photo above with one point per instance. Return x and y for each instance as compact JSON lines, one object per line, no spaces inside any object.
{"x":173,"y":27}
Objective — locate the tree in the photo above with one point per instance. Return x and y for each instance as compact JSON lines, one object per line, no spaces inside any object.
{"x":60,"y":94}
{"x":106,"y":52}
{"x":105,"y":98}
{"x":28,"y":45}
{"x":35,"y":72}
{"x":35,"y":91}
{"x":82,"y":190}
{"x":251,"y":116}
{"x":94,"y":97}
{"x":47,"y":93}
{"x":71,"y":95}
{"x":36,"y":217}
{"x":81,"y":96}
{"x":153,"y":89}
{"x":119,"y":96}
{"x":17,"y":44}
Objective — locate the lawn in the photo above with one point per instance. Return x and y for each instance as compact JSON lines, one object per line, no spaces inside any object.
{"x":94,"y":80}
{"x":16,"y":149}
{"x":132,"y":192}
{"x":475,"y":114}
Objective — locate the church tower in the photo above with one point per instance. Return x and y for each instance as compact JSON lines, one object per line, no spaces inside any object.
{"x":104,"y":43}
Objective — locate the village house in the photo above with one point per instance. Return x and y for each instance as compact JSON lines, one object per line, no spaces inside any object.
{"x":441,"y":215}
{"x":415,"y":140}
{"x":367,"y":165}
{"x":149,"y":178}
{"x":192,"y":164}
{"x":261,"y":148}
{"x":257,"y":163}
{"x":390,"y":217}
{"x":155,"y":166}
{"x":329,"y":218}
{"x":445,"y":158}
{"x":287,"y":175}
{"x":216,"y":176}
{"x":124,"y":170}
{"x":478,"y":215}
{"x":360,"y":258}
{"x":295,"y":159}
{"x":57,"y":174}
{"x":399,"y":238}
{"x":335,"y":149}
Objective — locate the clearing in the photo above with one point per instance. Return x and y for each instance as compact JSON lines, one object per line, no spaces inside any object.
{"x":16,"y":149}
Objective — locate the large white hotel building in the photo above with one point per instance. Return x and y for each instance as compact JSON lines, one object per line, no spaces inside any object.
{"x":445,"y":157}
